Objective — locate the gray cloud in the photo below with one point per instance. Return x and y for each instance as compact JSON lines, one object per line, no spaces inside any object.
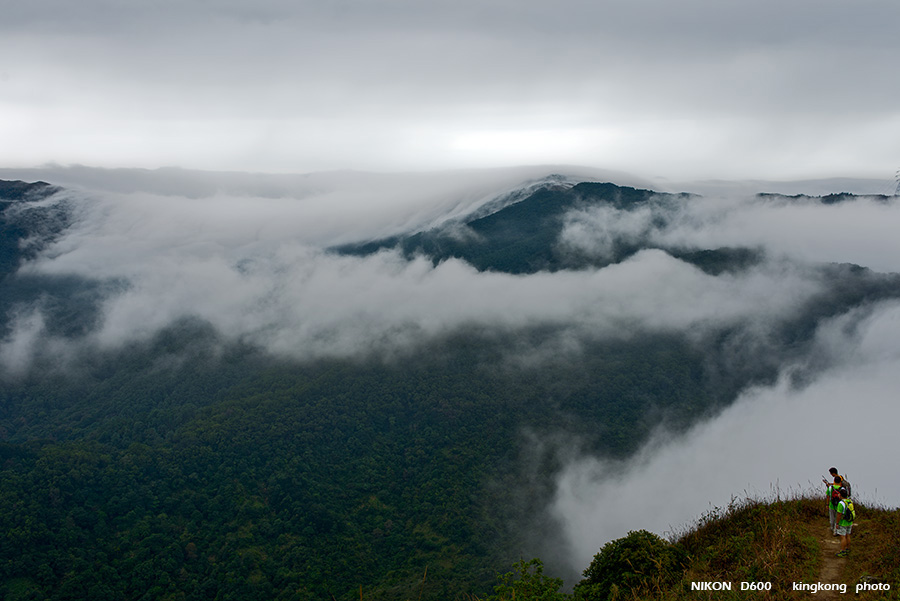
{"x":19,"y":348}
{"x":857,"y":231}
{"x":254,"y":268}
{"x":730,"y":89}
{"x":323,"y":208}
{"x":296,"y":300}
{"x":594,"y":232}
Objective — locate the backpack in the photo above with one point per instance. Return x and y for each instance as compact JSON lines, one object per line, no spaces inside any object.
{"x":849,"y":514}
{"x":835,"y":496}
{"x":846,"y":484}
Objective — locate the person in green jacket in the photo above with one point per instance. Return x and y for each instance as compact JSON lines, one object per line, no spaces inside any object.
{"x":832,"y":493}
{"x":845,"y":522}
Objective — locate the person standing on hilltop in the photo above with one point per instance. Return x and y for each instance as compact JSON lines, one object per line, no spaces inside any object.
{"x":845,"y":518}
{"x":844,"y":482}
{"x":832,"y":492}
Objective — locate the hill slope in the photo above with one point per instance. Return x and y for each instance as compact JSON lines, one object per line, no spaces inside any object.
{"x":524,"y":237}
{"x":751,"y":549}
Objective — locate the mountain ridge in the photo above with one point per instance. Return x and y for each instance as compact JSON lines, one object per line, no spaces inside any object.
{"x":523,"y":236}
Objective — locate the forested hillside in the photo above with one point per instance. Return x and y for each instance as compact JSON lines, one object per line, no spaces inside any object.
{"x":192,"y":462}
{"x":239,"y":474}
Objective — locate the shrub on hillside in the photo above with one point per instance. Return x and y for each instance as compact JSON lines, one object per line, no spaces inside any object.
{"x":527,"y":582}
{"x":641,"y":561}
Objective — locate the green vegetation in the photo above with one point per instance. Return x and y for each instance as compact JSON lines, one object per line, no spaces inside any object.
{"x":755,"y":541}
{"x":640,"y":561}
{"x":179,"y":470}
{"x":184,"y":468}
{"x":527,"y":581}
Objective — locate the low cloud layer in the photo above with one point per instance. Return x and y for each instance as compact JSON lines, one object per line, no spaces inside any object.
{"x":859,"y":231}
{"x":255,"y":269}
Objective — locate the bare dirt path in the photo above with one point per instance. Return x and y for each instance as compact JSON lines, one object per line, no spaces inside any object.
{"x":832,"y":567}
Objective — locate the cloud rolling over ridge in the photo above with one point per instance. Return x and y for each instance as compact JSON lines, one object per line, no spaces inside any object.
{"x":856,"y":231}
{"x":255,"y":269}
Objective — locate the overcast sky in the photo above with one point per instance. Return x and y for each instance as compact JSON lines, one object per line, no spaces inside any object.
{"x":686,"y":89}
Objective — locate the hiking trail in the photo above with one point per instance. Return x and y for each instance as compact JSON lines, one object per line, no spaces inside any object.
{"x":832,"y":567}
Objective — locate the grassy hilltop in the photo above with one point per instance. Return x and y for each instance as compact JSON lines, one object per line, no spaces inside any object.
{"x":782,"y":543}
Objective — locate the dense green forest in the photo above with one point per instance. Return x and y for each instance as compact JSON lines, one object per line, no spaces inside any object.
{"x":177,"y":471}
{"x":193,"y":466}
